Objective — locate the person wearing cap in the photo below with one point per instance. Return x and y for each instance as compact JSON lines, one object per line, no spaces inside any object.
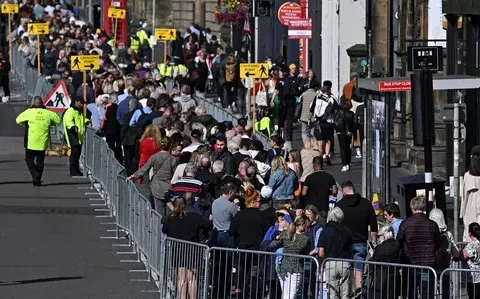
{"x":195,"y":137}
{"x":469,"y":210}
{"x":37,"y":121}
{"x":74,"y":123}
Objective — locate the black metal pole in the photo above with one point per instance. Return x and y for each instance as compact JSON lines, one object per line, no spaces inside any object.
{"x":452,"y":42}
{"x":428,"y":127}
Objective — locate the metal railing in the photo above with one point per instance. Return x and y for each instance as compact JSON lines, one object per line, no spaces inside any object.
{"x":183,"y":269}
{"x":27,"y":76}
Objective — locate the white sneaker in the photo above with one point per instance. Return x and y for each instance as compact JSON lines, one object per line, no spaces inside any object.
{"x":344,"y":168}
{"x":4,"y":99}
{"x":348,"y":167}
{"x":359,"y":153}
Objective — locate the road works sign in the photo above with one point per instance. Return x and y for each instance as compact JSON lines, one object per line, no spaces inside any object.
{"x":9,"y":8}
{"x":38,"y":28}
{"x":254,"y":70}
{"x":85,"y":62}
{"x":117,"y":13}
{"x":58,"y":99}
{"x":165,"y":34}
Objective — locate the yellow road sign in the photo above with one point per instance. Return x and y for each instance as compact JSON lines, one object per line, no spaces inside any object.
{"x":165,"y":33}
{"x":9,"y":8}
{"x":117,"y":13}
{"x":254,"y":70}
{"x":85,"y":62}
{"x":38,"y":28}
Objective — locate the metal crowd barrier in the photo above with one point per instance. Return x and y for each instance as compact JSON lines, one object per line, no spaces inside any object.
{"x":221,"y":114}
{"x":32,"y":85}
{"x":380,"y":280}
{"x":460,"y":283}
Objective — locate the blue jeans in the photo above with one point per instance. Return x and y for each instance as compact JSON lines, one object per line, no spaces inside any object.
{"x":306,"y":131}
{"x":224,"y":240}
{"x":359,"y":254}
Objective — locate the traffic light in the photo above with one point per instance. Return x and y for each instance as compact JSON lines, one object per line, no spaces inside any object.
{"x":262,"y":8}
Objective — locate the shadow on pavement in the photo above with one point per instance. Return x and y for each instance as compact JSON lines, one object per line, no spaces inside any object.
{"x":39,"y":280}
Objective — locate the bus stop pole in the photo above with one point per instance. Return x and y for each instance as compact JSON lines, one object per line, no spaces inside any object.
{"x":388,"y":123}
{"x":367,"y":114}
{"x":456,"y":165}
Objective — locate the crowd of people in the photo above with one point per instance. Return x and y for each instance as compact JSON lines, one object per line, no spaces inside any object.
{"x":214,"y":182}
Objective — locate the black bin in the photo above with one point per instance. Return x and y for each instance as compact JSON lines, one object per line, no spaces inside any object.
{"x":408,"y":185}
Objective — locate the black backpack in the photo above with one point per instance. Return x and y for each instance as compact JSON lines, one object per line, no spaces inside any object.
{"x":443,"y":256}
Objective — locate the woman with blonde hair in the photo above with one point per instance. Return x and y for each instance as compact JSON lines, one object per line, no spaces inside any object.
{"x":283,"y":182}
{"x":309,"y":151}
{"x":149,"y":145}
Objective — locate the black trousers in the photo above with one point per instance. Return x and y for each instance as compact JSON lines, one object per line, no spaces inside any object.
{"x":115,"y":145}
{"x":344,"y":141}
{"x":130,"y":166}
{"x":6,"y":85}
{"x":285,"y":121}
{"x":35,"y":163}
{"x":76,"y":151}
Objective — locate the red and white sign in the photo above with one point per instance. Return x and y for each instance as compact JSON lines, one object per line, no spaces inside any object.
{"x":289,"y":11}
{"x":298,"y":29}
{"x":58,"y":99}
{"x":394,"y":86}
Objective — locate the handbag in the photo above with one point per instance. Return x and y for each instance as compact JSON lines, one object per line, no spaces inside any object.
{"x":210,"y":86}
{"x":261,"y":97}
{"x":297,"y":192}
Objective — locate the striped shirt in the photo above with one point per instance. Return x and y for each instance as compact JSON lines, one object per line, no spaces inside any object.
{"x":182,"y":186}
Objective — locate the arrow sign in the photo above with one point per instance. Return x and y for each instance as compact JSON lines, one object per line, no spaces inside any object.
{"x":116,"y":13}
{"x":254,"y":70}
{"x":9,"y":8}
{"x":165,"y":34}
{"x":85,"y":62}
{"x":38,"y":28}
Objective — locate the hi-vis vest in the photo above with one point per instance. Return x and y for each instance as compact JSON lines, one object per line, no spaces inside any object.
{"x":110,"y":43}
{"x":142,"y":36}
{"x":168,"y":72}
{"x":134,"y":44}
{"x":181,"y":69}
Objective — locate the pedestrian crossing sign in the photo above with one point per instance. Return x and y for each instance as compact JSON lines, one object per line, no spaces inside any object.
{"x":58,"y":99}
{"x":117,"y":13}
{"x":38,"y":28}
{"x":9,"y":8}
{"x":165,"y":34}
{"x":254,"y":70}
{"x":85,"y":62}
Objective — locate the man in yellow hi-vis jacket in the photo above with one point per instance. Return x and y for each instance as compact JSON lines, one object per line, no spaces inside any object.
{"x":74,"y":123}
{"x":37,"y":121}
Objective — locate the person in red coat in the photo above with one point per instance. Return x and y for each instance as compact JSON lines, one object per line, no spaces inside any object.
{"x":149,"y":145}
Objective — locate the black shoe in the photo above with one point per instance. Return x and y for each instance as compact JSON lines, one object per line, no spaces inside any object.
{"x":37,"y":183}
{"x":77,"y":174}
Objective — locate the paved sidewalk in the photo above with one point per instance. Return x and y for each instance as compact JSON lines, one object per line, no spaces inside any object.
{"x":51,"y":244}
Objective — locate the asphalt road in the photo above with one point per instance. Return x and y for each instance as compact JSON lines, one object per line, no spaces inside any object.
{"x":51,"y":240}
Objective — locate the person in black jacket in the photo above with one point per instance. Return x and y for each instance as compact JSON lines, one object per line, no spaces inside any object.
{"x":128,"y":138}
{"x":187,"y":225}
{"x":344,"y":125}
{"x":5,"y":81}
{"x":359,"y":218}
{"x":359,"y":126}
{"x":221,"y":153}
{"x":111,"y":128}
{"x":288,"y":94}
